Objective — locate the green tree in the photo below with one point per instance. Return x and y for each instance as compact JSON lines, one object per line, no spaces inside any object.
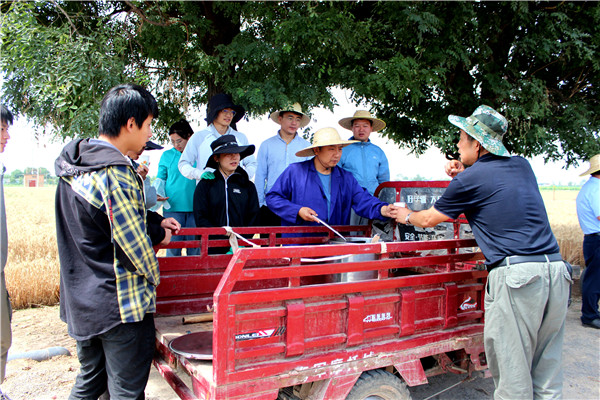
{"x":16,"y":176}
{"x":413,"y":63}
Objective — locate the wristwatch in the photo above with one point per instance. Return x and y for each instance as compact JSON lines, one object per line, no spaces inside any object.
{"x":407,"y":219}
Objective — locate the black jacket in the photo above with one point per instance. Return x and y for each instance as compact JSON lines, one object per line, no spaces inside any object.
{"x":226,"y":203}
{"x":88,"y":292}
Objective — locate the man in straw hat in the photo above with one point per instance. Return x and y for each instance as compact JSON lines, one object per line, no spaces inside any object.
{"x":588,"y":213}
{"x":276,"y":153}
{"x":318,"y":187}
{"x":365,"y":160}
{"x":221,"y":118}
{"x":528,"y":282}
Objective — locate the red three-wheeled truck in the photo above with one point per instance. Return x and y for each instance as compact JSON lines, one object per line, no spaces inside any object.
{"x":295,"y":314}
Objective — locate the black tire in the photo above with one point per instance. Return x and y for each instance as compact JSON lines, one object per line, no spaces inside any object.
{"x":378,"y":384}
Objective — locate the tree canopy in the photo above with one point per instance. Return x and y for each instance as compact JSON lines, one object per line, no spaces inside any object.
{"x":413,"y":63}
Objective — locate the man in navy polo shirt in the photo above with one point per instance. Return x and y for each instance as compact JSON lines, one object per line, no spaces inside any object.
{"x":528,"y":283}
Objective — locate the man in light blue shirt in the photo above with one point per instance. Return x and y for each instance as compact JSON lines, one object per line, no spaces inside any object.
{"x":222,"y":113}
{"x":588,"y":213}
{"x":276,"y":153}
{"x":366,"y":161}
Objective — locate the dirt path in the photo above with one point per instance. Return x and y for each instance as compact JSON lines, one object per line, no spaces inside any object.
{"x":40,"y":328}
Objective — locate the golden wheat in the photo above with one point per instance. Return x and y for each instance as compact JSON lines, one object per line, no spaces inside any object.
{"x":32,"y":272}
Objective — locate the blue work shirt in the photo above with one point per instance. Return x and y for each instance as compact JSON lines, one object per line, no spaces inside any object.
{"x":588,"y":206}
{"x":273,"y":158}
{"x":368,"y":164}
{"x":502,"y":202}
{"x":300,"y":186}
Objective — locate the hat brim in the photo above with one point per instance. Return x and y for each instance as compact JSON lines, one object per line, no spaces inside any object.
{"x":309,"y":151}
{"x":304,"y":119}
{"x":591,"y":170}
{"x":492,"y":145}
{"x":376,"y":124}
{"x":152,"y":146}
{"x":244,"y":151}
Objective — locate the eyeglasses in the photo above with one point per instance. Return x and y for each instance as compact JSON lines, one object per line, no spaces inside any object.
{"x":228,"y":111}
{"x":177,"y":142}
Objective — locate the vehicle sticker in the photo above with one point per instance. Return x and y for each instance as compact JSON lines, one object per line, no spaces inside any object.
{"x":265,"y":333}
{"x":467,"y":305}
{"x":378,"y":317}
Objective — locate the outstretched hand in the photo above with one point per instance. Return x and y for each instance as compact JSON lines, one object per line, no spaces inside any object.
{"x":389,"y":211}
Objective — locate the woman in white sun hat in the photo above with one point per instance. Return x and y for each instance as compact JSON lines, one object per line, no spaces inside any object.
{"x":318,"y":187}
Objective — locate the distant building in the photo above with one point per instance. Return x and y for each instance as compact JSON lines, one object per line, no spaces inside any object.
{"x":33,"y":180}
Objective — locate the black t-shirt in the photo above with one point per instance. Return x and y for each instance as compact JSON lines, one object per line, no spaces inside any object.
{"x":502,"y":202}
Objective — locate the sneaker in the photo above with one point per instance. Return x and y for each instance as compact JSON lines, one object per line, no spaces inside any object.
{"x":595,"y":323}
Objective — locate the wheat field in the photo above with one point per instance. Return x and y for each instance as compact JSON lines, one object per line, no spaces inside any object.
{"x":32,"y":271}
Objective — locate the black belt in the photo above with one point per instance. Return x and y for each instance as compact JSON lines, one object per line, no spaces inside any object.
{"x":525,"y":259}
{"x":592,"y":234}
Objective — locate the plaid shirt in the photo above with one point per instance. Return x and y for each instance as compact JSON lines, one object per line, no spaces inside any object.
{"x":116,"y":191}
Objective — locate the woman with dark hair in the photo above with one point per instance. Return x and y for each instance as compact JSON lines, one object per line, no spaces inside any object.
{"x":230,"y":199}
{"x":221,"y":117}
{"x":178,"y":189}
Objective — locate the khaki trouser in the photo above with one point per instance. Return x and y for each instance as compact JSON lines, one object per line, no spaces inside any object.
{"x":525,"y":311}
{"x":5,"y":332}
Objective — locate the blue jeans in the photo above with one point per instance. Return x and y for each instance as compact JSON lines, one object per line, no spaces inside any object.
{"x":118,"y":360}
{"x":186,"y":219}
{"x":590,"y":287}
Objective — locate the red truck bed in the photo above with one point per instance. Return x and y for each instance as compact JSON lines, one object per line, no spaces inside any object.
{"x":280,"y":321}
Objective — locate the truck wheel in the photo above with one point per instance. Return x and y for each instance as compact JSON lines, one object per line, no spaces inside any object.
{"x":378,"y":384}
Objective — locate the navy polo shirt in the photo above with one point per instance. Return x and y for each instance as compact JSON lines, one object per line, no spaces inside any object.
{"x":502,"y":202}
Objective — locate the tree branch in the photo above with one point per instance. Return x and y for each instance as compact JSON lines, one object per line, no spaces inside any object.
{"x":66,"y":15}
{"x":143,"y":16}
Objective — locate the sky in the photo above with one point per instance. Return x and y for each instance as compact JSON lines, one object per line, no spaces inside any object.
{"x":24,"y":150}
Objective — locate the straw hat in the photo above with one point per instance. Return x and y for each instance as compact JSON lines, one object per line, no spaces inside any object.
{"x":324,"y":137}
{"x":376,"y":123}
{"x":485,"y":125}
{"x":594,"y":165}
{"x":295,"y":108}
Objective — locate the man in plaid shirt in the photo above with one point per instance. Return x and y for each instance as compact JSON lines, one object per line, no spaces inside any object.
{"x":108,"y":268}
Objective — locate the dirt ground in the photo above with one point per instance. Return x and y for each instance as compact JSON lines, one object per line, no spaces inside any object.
{"x":40,"y":328}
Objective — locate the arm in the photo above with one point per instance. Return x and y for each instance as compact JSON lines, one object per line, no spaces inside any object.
{"x":383,"y":174}
{"x":252,"y":207}
{"x":262,"y":168}
{"x":128,"y":222}
{"x":201,"y":206}
{"x":423,"y":219}
{"x":188,"y":158}
{"x":163,"y":171}
{"x":279,"y":197}
{"x":249,"y":164}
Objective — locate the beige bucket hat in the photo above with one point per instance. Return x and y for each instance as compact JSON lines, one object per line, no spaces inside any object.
{"x":376,"y":123}
{"x":296,"y":108}
{"x":594,"y":165}
{"x":324,"y":137}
